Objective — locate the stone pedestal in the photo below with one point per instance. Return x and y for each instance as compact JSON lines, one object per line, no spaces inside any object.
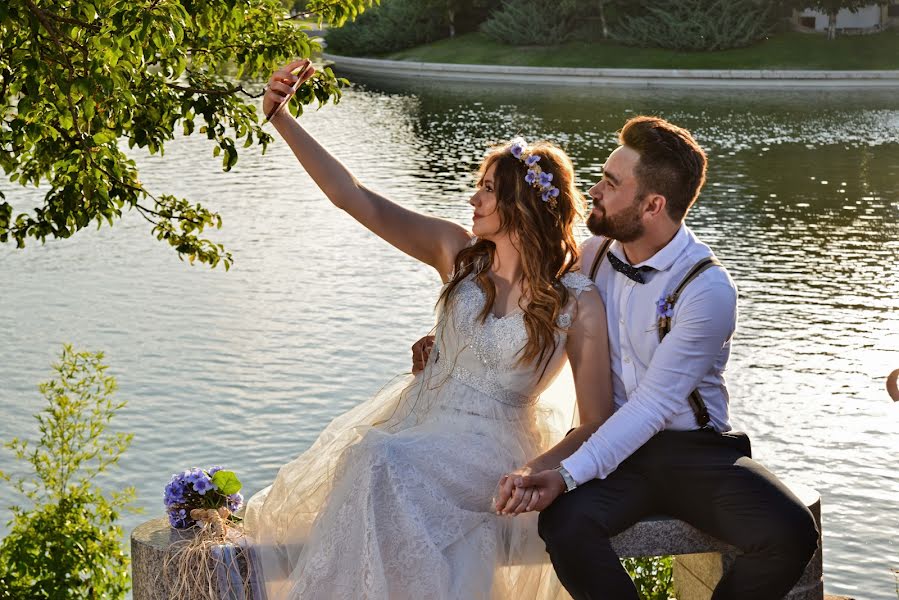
{"x":155,"y":541}
{"x":696,"y":574}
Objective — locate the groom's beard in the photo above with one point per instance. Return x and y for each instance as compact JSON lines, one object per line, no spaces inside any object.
{"x":624,"y":227}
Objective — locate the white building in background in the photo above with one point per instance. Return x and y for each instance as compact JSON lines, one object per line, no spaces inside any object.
{"x":870,"y":18}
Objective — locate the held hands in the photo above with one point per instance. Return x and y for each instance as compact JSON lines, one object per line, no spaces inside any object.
{"x":421,"y":350}
{"x":283,"y":84}
{"x":524,"y":491}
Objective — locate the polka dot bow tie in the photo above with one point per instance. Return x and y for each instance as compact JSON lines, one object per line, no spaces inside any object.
{"x":635,"y":273}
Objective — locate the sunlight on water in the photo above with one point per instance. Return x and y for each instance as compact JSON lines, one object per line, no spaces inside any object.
{"x":244,"y":368}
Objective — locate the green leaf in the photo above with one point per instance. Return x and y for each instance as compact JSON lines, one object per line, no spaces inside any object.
{"x":227,"y":482}
{"x":102,"y":137}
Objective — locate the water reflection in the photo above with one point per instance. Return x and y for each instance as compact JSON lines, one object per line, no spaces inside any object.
{"x":244,"y":368}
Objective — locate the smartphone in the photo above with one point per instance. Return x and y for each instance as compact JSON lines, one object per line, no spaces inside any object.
{"x":296,"y":85}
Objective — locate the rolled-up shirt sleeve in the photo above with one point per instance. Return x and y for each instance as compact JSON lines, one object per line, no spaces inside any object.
{"x":703,"y":322}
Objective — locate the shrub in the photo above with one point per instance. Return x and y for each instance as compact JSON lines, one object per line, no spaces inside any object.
{"x":652,"y":576}
{"x":394,"y":25}
{"x":695,"y":24}
{"x":532,"y":22}
{"x":68,"y":545}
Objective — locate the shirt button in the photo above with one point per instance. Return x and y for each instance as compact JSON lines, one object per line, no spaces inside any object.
{"x":627,"y":360}
{"x":621,"y":320}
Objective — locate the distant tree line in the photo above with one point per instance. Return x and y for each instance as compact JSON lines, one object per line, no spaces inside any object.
{"x":682,"y":25}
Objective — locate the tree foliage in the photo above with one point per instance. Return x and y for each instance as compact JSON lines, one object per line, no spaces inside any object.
{"x":695,"y":24}
{"x":68,"y":544}
{"x":532,"y":22}
{"x":653,"y":576}
{"x":394,"y":25}
{"x":399,"y":24}
{"x":79,"y":78}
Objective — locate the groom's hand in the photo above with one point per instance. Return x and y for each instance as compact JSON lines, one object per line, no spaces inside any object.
{"x":545,"y":485}
{"x":421,"y":350}
{"x":512,"y":499}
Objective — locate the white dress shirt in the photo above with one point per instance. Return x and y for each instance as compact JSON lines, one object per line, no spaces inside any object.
{"x":652,"y":381}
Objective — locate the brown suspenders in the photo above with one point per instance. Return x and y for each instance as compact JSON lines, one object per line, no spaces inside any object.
{"x":603,"y":248}
{"x":696,"y":402}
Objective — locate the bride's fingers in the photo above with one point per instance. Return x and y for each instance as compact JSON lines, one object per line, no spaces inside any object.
{"x":535,"y":498}
{"x":505,"y":492}
{"x":517,"y":493}
{"x":280,"y":89}
{"x":293,"y":72}
{"x":297,"y":65}
{"x":525,"y":500}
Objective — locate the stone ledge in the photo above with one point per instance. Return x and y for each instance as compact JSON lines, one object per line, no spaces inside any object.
{"x":700,"y":562}
{"x":760,"y":78}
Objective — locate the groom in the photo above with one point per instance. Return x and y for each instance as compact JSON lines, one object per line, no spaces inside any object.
{"x":668,"y":448}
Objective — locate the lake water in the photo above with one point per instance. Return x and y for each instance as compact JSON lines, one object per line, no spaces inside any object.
{"x":244,"y":368}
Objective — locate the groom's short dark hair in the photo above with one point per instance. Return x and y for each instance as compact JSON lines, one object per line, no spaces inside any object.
{"x":671,"y":162}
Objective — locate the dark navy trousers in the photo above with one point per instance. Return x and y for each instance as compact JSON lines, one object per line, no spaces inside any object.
{"x":701,"y":477}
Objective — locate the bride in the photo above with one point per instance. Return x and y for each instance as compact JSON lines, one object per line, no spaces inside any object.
{"x":394,"y":499}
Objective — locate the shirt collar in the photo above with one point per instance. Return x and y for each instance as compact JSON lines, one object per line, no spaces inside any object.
{"x":664,"y":258}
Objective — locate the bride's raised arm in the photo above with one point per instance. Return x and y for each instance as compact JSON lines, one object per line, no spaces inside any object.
{"x":429,"y":239}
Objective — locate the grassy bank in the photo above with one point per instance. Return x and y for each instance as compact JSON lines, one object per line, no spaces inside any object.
{"x":781,"y":51}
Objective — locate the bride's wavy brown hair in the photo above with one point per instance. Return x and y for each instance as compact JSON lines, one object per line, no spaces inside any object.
{"x":543,"y":235}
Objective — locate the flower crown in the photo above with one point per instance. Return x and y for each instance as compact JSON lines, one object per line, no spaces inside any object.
{"x":535,"y":175}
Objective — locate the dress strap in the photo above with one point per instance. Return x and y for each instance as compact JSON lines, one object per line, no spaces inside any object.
{"x":696,"y":402}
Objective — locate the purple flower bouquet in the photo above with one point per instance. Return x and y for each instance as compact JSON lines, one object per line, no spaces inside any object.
{"x":196,"y":488}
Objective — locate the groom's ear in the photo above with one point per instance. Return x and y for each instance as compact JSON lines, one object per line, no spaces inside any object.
{"x":654,"y":205}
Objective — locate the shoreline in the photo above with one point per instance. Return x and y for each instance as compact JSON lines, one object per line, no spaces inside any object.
{"x":586,"y":77}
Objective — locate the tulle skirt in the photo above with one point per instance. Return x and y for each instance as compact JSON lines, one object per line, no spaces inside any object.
{"x":395,"y":500}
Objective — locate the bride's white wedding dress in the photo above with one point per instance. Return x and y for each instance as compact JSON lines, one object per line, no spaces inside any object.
{"x":395,"y":498}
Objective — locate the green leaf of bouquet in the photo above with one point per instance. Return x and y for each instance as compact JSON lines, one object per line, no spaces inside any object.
{"x":227,"y":482}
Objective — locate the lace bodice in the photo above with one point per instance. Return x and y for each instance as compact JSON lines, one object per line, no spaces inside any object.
{"x":484,"y":355}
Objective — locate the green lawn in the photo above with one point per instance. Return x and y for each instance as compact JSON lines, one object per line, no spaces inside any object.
{"x":781,"y":51}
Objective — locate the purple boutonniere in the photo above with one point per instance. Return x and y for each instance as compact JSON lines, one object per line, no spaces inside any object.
{"x":664,"y":311}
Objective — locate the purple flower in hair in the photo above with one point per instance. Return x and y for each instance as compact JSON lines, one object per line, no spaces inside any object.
{"x":545,"y":179}
{"x":532,"y":160}
{"x":531,"y":177}
{"x":518,"y":146}
{"x":549,"y":194}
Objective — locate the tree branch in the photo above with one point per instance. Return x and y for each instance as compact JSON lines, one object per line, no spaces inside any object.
{"x":215,"y":92}
{"x":142,"y":210}
{"x":308,"y":13}
{"x":62,"y":19}
{"x":54,"y":35}
{"x":206,"y":91}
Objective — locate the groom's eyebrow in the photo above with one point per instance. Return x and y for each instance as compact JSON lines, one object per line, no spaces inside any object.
{"x":607,"y":175}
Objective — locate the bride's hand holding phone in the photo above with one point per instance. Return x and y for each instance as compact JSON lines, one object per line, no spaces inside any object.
{"x":283,"y":84}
